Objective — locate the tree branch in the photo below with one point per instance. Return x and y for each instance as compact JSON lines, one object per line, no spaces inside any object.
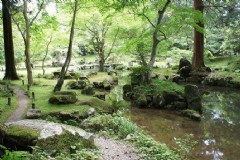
{"x":113,"y":44}
{"x":19,"y":28}
{"x":34,"y":18}
{"x":148,"y":20}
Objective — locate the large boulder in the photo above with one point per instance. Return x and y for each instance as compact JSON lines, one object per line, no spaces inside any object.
{"x":98,"y":85}
{"x":76,"y":84}
{"x":158,"y":101}
{"x":193,"y":97}
{"x":171,"y":97}
{"x":88,"y":90}
{"x":185,"y":71}
{"x":100,"y":96}
{"x":107,"y":85}
{"x":140,"y":100}
{"x":49,"y":136}
{"x":184,"y":62}
{"x":18,"y":137}
{"x":64,"y":97}
{"x":70,"y":115}
{"x":177,"y":79}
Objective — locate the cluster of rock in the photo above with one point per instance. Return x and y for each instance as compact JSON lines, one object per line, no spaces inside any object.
{"x":221,"y":82}
{"x":89,"y":89}
{"x":185,"y":74}
{"x":190,"y":100}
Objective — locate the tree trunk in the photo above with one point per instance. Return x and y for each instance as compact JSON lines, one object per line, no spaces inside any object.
{"x":156,"y":41}
{"x":198,"y":51}
{"x":10,"y":71}
{"x":27,"y":44}
{"x":101,"y":64}
{"x":45,"y":56}
{"x":69,"y":53}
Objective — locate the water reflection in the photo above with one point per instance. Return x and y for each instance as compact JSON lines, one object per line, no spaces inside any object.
{"x":217,"y":134}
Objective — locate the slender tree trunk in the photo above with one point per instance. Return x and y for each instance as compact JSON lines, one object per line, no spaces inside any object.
{"x":27,"y":44}
{"x":198,"y":51}
{"x":45,"y":56}
{"x":154,"y":49}
{"x":69,"y":53}
{"x":156,"y":41}
{"x":101,"y":64}
{"x":10,"y":71}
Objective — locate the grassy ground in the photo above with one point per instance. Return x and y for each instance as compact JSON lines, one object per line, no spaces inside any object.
{"x":43,"y":90}
{"x":5,"y":109}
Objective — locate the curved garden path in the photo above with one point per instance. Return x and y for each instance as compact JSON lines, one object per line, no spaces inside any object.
{"x":22,"y":105}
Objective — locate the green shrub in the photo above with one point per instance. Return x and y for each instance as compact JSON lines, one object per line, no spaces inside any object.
{"x":16,"y":155}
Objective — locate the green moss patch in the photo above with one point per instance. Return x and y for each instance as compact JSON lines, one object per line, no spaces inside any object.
{"x":65,"y":143}
{"x":22,"y":132}
{"x":159,"y":87}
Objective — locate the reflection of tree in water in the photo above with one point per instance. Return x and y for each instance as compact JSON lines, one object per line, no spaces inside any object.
{"x":221,"y":125}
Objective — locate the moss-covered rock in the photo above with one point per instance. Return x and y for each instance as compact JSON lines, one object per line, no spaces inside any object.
{"x":107,"y":85}
{"x":192,"y":114}
{"x":88,"y":90}
{"x":100,"y":96}
{"x":158,"y":101}
{"x":70,"y":115}
{"x":19,"y":137}
{"x":140,"y":100}
{"x":62,"y":99}
{"x":193,"y":98}
{"x":76,"y":85}
{"x":33,"y":113}
{"x":99,"y":105}
{"x":64,"y":143}
{"x":171,"y":96}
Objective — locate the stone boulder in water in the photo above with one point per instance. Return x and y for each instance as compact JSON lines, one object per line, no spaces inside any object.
{"x":193,"y":97}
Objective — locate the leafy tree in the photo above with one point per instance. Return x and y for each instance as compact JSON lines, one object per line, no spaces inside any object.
{"x":99,"y":29}
{"x":25,"y":30}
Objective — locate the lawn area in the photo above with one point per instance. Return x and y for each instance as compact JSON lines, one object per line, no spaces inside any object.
{"x":5,"y":109}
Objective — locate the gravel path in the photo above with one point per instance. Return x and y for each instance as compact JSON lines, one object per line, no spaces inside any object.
{"x":22,"y":105}
{"x":111,"y":149}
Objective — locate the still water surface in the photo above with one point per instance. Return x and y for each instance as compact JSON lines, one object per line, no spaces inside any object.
{"x":218,"y":133}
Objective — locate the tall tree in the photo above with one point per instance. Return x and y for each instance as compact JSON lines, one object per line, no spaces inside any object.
{"x":198,"y":50}
{"x":69,"y":52}
{"x":26,"y":35}
{"x":10,"y":71}
{"x":99,"y":30}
